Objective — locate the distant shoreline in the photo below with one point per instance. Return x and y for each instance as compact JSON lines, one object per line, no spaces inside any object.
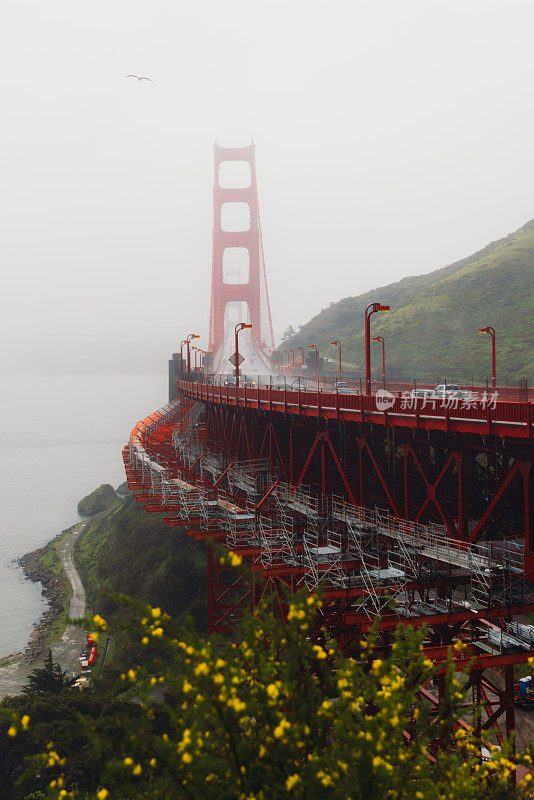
{"x":55,"y":588}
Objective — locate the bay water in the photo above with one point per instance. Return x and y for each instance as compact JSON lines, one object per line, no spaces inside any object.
{"x":61,"y":436}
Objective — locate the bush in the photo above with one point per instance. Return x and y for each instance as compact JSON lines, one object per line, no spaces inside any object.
{"x":279,"y":716}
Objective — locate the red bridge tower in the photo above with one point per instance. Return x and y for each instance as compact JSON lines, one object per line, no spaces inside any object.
{"x":252,"y":290}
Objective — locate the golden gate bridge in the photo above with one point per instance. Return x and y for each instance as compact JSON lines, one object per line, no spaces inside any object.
{"x":418,"y":514}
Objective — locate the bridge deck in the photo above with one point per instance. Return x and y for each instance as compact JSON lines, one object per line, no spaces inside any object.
{"x":509,"y":419}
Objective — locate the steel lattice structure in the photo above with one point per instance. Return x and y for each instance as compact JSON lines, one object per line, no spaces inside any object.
{"x":230,"y":466}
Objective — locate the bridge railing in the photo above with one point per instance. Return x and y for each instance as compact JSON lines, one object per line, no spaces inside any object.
{"x":487,"y":410}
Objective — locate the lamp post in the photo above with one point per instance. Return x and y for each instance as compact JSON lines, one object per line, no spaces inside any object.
{"x":292,"y":356}
{"x":371,"y":309}
{"x":302,"y":354}
{"x":239,"y":327}
{"x":188,"y":343}
{"x":181,"y":356}
{"x":338,"y":345}
{"x":314,"y":347}
{"x":381,"y":339}
{"x":491,"y":332}
{"x":196,"y":351}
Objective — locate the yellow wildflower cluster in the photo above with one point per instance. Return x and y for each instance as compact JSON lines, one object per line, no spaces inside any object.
{"x":100,"y":622}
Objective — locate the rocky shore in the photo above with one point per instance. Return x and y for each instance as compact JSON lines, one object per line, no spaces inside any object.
{"x":56,"y":590}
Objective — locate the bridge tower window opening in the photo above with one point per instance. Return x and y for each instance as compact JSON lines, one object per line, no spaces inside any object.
{"x":236,"y":265}
{"x":235,"y":217}
{"x":236,"y":312}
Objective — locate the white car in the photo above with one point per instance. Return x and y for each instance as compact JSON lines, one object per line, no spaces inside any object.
{"x":342,"y":387}
{"x":424,"y":394}
{"x":448,"y":390}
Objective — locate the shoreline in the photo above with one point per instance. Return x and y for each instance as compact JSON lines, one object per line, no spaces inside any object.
{"x":53,"y":568}
{"x":56,"y":590}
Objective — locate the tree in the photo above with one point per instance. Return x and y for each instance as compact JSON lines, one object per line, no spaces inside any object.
{"x":49,"y":678}
{"x":289,"y":333}
{"x":280,"y":716}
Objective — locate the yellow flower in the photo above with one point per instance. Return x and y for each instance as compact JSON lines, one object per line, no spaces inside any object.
{"x":25,"y":722}
{"x":156,"y":612}
{"x":379,"y":762}
{"x":12,"y":731}
{"x":236,"y":560}
{"x":144,"y":640}
{"x":272,"y":691}
{"x":102,"y":794}
{"x":128,"y":761}
{"x":292,"y":780}
{"x":375,"y":666}
{"x":101,"y":623}
{"x":280,"y":729}
{"x":236,"y":704}
{"x":187,"y":758}
{"x":137,"y":769}
{"x":63,"y":793}
{"x":202,"y":668}
{"x":132,"y":675}
{"x":157,"y":632}
{"x":319,"y":652}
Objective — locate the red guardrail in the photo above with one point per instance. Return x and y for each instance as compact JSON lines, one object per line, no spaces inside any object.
{"x":332,"y":404}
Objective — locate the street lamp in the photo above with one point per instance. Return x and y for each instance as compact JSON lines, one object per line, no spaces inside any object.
{"x":491,"y":332}
{"x":239,"y":327}
{"x":314,"y":347}
{"x":371,"y":308}
{"x":338,"y":345}
{"x":292,"y":356}
{"x":181,"y":356}
{"x":188,"y":343}
{"x":381,"y":339}
{"x":302,"y":354}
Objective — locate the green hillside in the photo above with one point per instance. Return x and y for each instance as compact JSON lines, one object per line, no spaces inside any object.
{"x":431,"y":331}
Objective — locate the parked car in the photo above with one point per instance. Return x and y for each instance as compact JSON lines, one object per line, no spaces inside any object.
{"x":229,"y":380}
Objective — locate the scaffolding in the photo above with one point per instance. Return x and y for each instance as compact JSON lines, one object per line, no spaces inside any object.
{"x":214,"y":464}
{"x":239,"y":522}
{"x":498,"y":576}
{"x":334,"y":541}
{"x":249,"y":476}
{"x":277,"y":540}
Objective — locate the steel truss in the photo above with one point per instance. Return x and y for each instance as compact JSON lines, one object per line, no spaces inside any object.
{"x":368,"y":559}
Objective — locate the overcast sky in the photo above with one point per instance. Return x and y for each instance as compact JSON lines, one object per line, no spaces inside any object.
{"x":391,"y":138}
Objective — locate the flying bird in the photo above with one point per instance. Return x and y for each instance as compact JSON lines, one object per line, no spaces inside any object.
{"x":140,"y":78}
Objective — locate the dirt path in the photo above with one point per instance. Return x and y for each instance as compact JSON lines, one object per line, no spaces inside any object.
{"x":14,"y":670}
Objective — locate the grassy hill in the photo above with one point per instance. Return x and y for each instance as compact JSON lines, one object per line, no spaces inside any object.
{"x":431,"y":331}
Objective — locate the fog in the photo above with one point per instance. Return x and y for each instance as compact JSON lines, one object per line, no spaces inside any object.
{"x":391,"y":138}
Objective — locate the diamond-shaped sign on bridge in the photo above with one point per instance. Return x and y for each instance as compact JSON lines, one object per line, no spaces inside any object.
{"x":236,"y":359}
